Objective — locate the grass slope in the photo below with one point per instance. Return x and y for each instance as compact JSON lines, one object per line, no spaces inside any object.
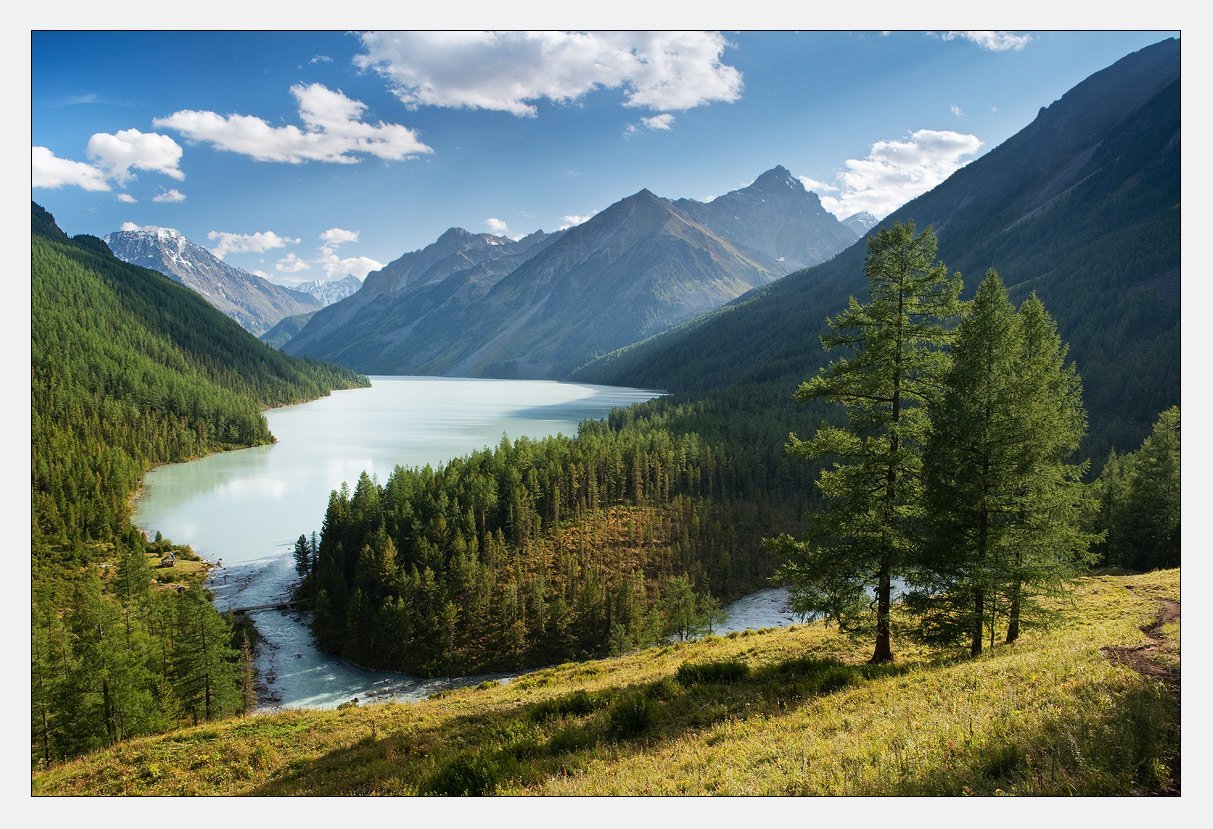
{"x":1049,"y":715}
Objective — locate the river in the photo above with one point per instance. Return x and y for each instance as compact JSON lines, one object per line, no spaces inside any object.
{"x":244,"y":509}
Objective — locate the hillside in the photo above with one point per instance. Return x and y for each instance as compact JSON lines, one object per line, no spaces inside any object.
{"x":256,"y":303}
{"x":1051,"y":715}
{"x":132,"y":369}
{"x":1081,"y":206}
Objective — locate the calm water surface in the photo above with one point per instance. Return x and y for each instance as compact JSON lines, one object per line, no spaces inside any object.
{"x":244,"y":509}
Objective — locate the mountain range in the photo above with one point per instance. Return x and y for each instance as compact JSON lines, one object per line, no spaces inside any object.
{"x":254,"y":302}
{"x":1082,"y":206}
{"x":540,"y":306}
{"x":330,"y":291}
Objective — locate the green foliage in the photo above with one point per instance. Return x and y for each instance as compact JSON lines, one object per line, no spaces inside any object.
{"x":467,"y":775}
{"x":129,"y":369}
{"x":630,"y":716}
{"x":1003,"y":502}
{"x":867,"y":533}
{"x":538,"y":552}
{"x":701,"y":673}
{"x":1139,"y":496}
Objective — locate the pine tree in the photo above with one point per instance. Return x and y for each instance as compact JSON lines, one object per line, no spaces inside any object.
{"x":1146,"y":535}
{"x":1053,"y":544}
{"x":1004,"y":505}
{"x":971,"y":474}
{"x":866,"y":536}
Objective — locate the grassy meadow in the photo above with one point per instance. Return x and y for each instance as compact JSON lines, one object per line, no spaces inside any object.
{"x":779,"y":712}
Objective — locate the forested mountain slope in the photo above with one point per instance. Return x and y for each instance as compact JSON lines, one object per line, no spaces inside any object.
{"x":131,"y":369}
{"x":1081,"y":206}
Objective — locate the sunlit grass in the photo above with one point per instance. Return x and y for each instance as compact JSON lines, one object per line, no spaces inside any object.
{"x":1048,"y":715}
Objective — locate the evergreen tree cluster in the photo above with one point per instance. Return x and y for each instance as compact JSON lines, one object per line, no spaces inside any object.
{"x":112,"y":658}
{"x":130,"y":369}
{"x":536,"y":552}
{"x":954,"y":471}
{"x":1138,"y":495}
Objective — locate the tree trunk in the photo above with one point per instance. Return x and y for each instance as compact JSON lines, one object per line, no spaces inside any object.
{"x":1013,"y":619}
{"x":884,"y":644}
{"x":978,"y":623}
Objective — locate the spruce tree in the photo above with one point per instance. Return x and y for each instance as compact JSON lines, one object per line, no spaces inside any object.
{"x":1053,"y":544}
{"x":1003,"y":504}
{"x":866,"y":534}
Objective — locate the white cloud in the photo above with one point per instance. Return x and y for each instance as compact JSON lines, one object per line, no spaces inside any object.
{"x":338,"y":236}
{"x":993,"y":109}
{"x":130,"y":227}
{"x":957,"y":111}
{"x":261,"y":273}
{"x":52,"y":172}
{"x":127,"y":150}
{"x":126,"y":198}
{"x":815,"y":186}
{"x":320,"y":59}
{"x":573,"y":219}
{"x":664,"y":121}
{"x":291,"y":264}
{"x":896,"y":171}
{"x":496,"y":226}
{"x":258,"y":242}
{"x":510,"y":71}
{"x":993,"y":41}
{"x":336,"y":267}
{"x":171,"y":196}
{"x":333,"y":131}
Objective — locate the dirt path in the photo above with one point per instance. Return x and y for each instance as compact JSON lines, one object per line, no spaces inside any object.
{"x":1144,"y":660}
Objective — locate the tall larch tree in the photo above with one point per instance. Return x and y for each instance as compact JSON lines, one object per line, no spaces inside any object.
{"x":866,"y":534}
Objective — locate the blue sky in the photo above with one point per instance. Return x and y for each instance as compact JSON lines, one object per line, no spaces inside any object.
{"x":307,"y":155}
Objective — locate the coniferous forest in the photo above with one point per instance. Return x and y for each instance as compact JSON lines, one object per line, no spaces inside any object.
{"x":129,"y":370}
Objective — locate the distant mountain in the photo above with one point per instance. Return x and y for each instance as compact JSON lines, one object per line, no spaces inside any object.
{"x":538,"y":307}
{"x":332,"y":291}
{"x":474,"y":304}
{"x":860,"y":223}
{"x":286,"y":329}
{"x":256,"y":303}
{"x":1082,"y":206}
{"x":774,"y":221}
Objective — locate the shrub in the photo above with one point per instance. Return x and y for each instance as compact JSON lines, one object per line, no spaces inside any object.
{"x":576,"y":704}
{"x":631,"y":716}
{"x":732,"y":670}
{"x":465,"y":775}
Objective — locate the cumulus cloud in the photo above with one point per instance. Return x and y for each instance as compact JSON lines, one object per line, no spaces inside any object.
{"x":127,"y":150}
{"x":664,"y":121}
{"x":291,"y":264}
{"x":511,"y":71}
{"x":126,"y":198}
{"x":130,"y":227}
{"x":333,"y":131}
{"x":815,"y":186}
{"x":338,"y":236}
{"x":336,"y":267}
{"x":171,"y":196}
{"x":52,"y":172}
{"x":992,"y":41}
{"x":573,"y":219}
{"x":496,"y":226}
{"x":957,"y":111}
{"x":258,"y":242}
{"x":320,"y":59}
{"x":896,"y":171}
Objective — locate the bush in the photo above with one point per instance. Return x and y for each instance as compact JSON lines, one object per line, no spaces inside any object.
{"x":576,"y":704}
{"x":732,"y":670}
{"x":631,"y":716}
{"x":465,"y":775}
